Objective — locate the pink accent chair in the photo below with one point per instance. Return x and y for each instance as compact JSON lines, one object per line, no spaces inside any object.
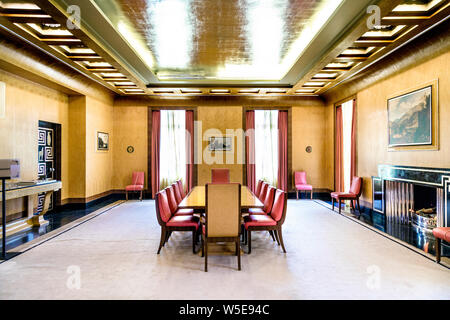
{"x":258,"y":188}
{"x":352,"y":195}
{"x":170,"y":222}
{"x":220,"y":176}
{"x":440,"y":233}
{"x":301,"y":184}
{"x":137,"y":184}
{"x":180,"y":186}
{"x":271,"y":223}
{"x":268,"y":202}
{"x":173,"y":204}
{"x":264,"y":188}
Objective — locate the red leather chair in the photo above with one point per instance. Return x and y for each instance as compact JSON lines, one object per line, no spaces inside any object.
{"x":301,"y":184}
{"x":173,"y":205}
{"x":170,"y":223}
{"x":264,"y":188}
{"x":137,"y":184}
{"x":441,"y":233}
{"x":258,"y":188}
{"x":220,"y":176}
{"x":268,"y":202}
{"x":272,"y":222}
{"x":352,"y":195}
{"x":176,"y":188}
{"x":180,"y":185}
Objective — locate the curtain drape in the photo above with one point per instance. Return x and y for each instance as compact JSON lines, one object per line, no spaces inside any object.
{"x":282,"y":150}
{"x":266,"y":146}
{"x":156,"y":132}
{"x":172,"y":159}
{"x":250,"y":149}
{"x":353,"y":142}
{"x":189,"y":150}
{"x":338,"y":155}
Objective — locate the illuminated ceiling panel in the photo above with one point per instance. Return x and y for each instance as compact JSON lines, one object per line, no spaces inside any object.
{"x":218,"y":39}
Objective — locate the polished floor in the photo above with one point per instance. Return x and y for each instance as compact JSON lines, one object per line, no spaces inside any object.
{"x":113,"y":256}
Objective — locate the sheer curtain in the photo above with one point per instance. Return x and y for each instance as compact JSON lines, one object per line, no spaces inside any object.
{"x":266,"y":146}
{"x":172,"y":154}
{"x":347,"y":125}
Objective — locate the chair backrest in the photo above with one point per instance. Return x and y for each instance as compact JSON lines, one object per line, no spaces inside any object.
{"x":173,"y":205}
{"x":220,"y":176}
{"x":181,"y":188}
{"x":356,"y":186}
{"x":138,"y":178}
{"x":163,"y":213}
{"x":258,"y":188}
{"x":278,"y":212}
{"x":300,"y":177}
{"x":176,"y":188}
{"x":262,"y":194}
{"x":268,"y":200}
{"x":223,"y":210}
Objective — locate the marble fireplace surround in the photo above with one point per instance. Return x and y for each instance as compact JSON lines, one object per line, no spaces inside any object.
{"x":431,"y":177}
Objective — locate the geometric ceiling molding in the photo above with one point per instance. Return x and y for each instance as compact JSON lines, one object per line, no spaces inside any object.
{"x":32,"y":23}
{"x":404,"y":21}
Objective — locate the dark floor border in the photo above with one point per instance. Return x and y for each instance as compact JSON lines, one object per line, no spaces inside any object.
{"x":383,"y":234}
{"x":76,"y":224}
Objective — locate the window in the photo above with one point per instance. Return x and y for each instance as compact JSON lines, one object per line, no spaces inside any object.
{"x":347,"y":121}
{"x":172,"y":154}
{"x":266,"y":146}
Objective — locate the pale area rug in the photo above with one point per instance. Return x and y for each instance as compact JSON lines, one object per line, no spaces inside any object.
{"x":113,"y":256}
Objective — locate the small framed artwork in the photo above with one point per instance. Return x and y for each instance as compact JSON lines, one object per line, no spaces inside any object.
{"x":222,"y":143}
{"x":413,"y":119}
{"x":102,"y":141}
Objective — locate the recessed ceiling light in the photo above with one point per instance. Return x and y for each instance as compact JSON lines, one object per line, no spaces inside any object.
{"x":162,"y":90}
{"x":249,"y":91}
{"x":191,"y":91}
{"x":276,"y":91}
{"x":305,"y":91}
{"x":219,"y":91}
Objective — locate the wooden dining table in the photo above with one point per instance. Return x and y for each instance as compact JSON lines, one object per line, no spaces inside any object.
{"x":196,"y":199}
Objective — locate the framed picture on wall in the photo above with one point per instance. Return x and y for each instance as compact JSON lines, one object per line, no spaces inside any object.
{"x":413,"y":119}
{"x":102,"y":141}
{"x":222,"y":143}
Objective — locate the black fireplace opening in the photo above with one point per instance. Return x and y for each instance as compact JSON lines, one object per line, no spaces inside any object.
{"x":425,"y":197}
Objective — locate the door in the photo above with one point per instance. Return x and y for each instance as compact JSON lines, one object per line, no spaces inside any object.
{"x":49,"y":167}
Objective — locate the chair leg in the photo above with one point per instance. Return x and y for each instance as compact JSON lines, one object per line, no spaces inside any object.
{"x":438,"y":250}
{"x":163,"y":238}
{"x":194,"y":236}
{"x":206,"y":255}
{"x":311,"y":194}
{"x":352,"y":206}
{"x":332,"y":204}
{"x":249,"y":239}
{"x":280,"y":235}
{"x":339,"y":206}
{"x":203,"y":247}
{"x":141,"y":196}
{"x":126,"y":195}
{"x":276,"y":236}
{"x":271,"y":233}
{"x":238,"y":253}
{"x":359,"y":207}
{"x":297,"y":194}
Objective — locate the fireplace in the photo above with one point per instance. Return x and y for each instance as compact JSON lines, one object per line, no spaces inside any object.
{"x":414,"y":195}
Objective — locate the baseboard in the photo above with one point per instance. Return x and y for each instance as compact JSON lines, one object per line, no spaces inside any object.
{"x":319,"y":193}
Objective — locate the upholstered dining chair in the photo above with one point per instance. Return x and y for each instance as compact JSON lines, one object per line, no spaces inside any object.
{"x":258,"y":188}
{"x":170,"y":222}
{"x":272,"y":222}
{"x":222,"y":217}
{"x":137,"y":184}
{"x":353,"y":195}
{"x":264,"y":188}
{"x":301,"y":184}
{"x":180,"y":186}
{"x":176,"y":188}
{"x":267,"y":201}
{"x":173,"y":204}
{"x":220,"y":176}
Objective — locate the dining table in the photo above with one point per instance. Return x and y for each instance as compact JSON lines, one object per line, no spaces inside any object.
{"x":196,"y":199}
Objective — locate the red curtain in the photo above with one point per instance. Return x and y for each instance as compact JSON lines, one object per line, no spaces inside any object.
{"x":156,"y":132}
{"x":189,"y":150}
{"x":338,"y":155}
{"x":282,"y":150}
{"x":353,"y":146}
{"x":250,"y":149}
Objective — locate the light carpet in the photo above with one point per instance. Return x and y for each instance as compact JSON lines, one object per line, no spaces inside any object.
{"x":113,"y":256}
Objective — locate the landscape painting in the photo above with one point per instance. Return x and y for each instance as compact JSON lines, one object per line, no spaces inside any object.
{"x":102,"y":141}
{"x":410,"y":118}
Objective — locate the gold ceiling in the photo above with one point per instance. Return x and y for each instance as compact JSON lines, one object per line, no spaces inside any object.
{"x":218,"y":39}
